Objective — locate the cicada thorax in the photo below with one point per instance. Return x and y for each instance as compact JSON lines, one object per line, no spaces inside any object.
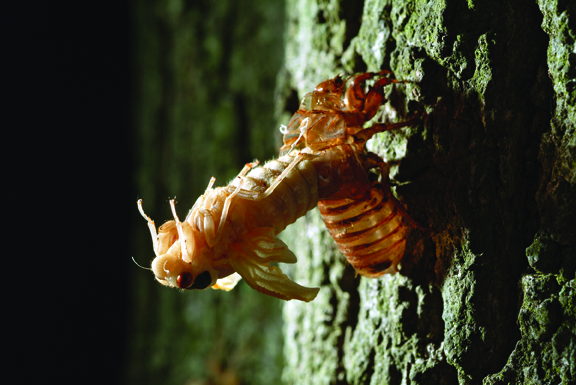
{"x":318,"y":124}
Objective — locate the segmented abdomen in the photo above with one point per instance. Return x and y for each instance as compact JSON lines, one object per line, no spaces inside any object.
{"x":295,"y":195}
{"x":370,"y":232}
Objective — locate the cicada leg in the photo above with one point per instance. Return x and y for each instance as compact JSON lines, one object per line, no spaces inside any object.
{"x":248,"y":167}
{"x":374,"y":161}
{"x":364,"y":135}
{"x":227,"y":204}
{"x":250,"y":195}
{"x":212,"y":233}
{"x":367,"y":103}
{"x":375,"y":97}
{"x":179,"y":225}
{"x":151,"y":226}
{"x":210,"y":184}
{"x":213,"y":239}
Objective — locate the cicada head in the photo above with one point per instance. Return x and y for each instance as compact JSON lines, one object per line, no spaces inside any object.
{"x":183,"y":259}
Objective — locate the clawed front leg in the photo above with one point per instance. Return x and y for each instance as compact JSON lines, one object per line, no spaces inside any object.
{"x":253,"y":196}
{"x":367,"y":103}
{"x":373,"y":161}
{"x":364,"y":135}
{"x":375,"y":97}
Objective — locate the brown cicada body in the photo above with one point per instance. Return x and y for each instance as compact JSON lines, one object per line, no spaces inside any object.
{"x":360,"y":213}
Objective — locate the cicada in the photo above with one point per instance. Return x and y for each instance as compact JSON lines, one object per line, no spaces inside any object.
{"x":231,"y":232}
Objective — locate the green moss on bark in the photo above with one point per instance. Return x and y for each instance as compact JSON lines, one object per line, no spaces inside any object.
{"x":320,"y":326}
{"x":491,"y":169}
{"x":546,"y":351}
{"x":547,"y":348}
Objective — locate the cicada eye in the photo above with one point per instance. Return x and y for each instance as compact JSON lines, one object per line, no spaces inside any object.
{"x":202,"y":281}
{"x":184,"y":280}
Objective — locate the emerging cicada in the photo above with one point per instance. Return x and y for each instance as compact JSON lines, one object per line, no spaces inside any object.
{"x":230,"y":233}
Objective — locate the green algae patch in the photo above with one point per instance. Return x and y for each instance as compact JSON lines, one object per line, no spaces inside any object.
{"x":546,"y":351}
{"x":399,"y":324}
{"x":488,"y":294}
{"x":315,"y":332}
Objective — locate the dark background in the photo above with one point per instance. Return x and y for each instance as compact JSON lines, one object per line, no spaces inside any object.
{"x":82,"y":144}
{"x":67,"y":158}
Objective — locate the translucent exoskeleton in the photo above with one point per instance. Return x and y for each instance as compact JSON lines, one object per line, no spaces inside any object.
{"x":231,"y":232}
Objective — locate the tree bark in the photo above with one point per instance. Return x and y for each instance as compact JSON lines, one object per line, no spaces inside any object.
{"x":488,"y":295}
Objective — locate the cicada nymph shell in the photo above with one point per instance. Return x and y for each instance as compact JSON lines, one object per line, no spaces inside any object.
{"x":231,"y":232}
{"x":361,"y":214}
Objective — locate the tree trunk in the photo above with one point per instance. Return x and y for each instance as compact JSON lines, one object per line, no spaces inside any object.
{"x":488,"y":295}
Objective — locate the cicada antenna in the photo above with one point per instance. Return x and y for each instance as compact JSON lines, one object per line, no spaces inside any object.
{"x":142,"y":267}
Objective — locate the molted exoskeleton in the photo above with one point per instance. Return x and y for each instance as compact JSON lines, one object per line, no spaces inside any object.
{"x":231,"y":231}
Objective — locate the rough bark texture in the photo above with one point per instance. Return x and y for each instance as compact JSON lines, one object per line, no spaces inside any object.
{"x":488,"y":297}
